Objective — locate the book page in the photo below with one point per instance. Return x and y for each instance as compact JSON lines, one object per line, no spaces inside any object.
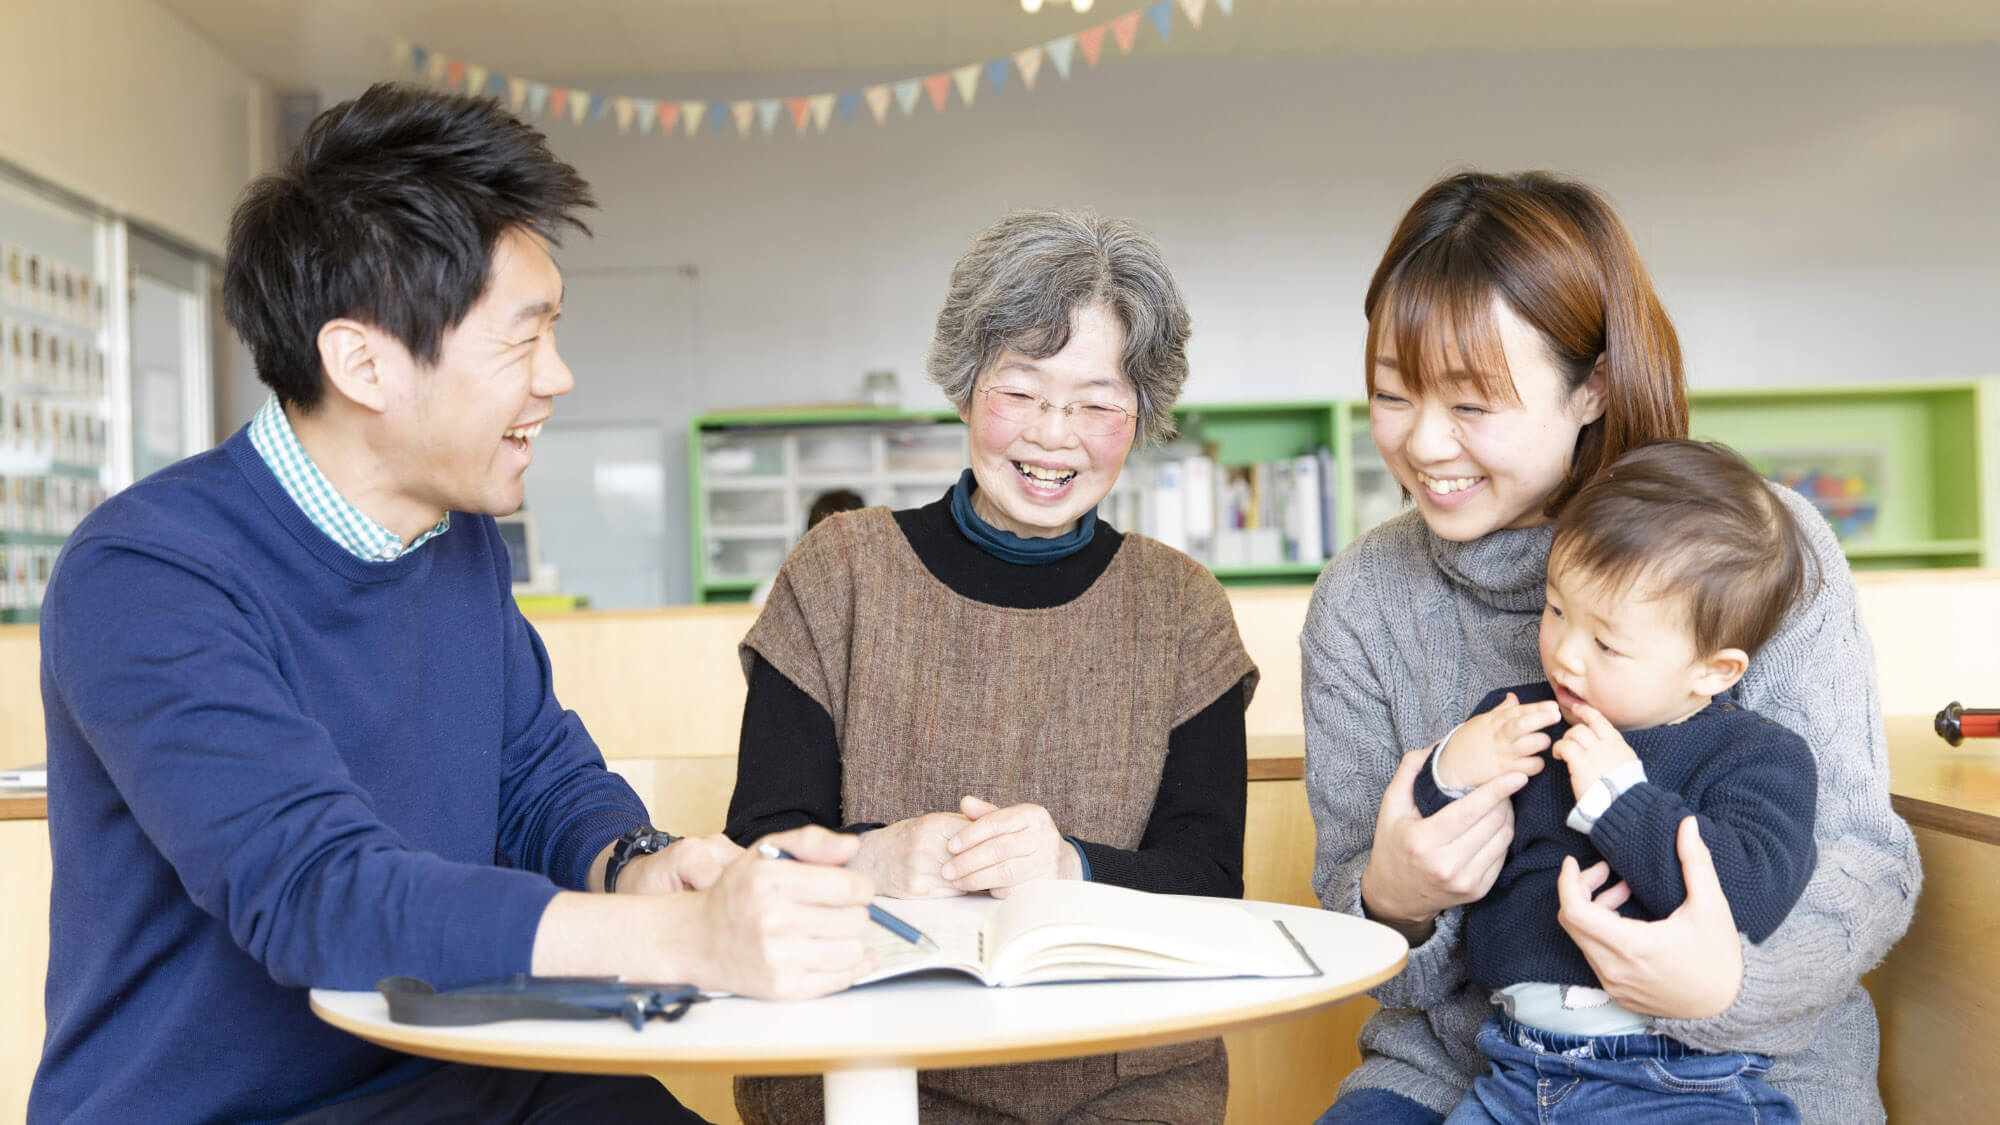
{"x":960,"y":927}
{"x":1060,"y":930}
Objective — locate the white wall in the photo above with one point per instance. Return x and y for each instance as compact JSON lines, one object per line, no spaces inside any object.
{"x":117,"y":101}
{"x":1809,"y":216}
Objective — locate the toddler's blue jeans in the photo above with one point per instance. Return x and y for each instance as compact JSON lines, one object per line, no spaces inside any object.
{"x":1543,"y":1078}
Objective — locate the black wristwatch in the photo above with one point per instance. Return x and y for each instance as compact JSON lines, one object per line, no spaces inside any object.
{"x":643,"y":840}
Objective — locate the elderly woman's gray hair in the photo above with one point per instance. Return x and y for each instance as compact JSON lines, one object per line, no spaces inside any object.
{"x":1024,"y":280}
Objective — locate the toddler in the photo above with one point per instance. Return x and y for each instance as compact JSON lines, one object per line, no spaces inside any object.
{"x":1665,"y":576}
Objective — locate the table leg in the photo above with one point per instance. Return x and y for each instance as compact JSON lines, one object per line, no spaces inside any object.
{"x":876,"y":1096}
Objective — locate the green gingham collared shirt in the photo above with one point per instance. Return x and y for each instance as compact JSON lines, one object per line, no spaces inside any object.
{"x":271,"y":434}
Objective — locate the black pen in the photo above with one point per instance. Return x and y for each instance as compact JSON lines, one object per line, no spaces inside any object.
{"x":876,"y":914}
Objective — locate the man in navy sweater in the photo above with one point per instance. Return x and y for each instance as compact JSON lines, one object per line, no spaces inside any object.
{"x":298,"y":733}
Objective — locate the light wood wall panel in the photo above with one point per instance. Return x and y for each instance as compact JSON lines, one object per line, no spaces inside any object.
{"x":21,"y":737}
{"x":24,"y":945}
{"x":666,"y":683}
{"x":1938,"y":993}
{"x":1269,"y":619}
{"x":1934,"y":633}
{"x":652,"y":683}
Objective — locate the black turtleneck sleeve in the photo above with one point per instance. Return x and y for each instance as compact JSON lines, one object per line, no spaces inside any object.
{"x":788,"y":775}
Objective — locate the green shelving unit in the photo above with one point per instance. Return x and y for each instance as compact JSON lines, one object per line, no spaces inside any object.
{"x":727,"y":534}
{"x":1935,"y":492}
{"x":1924,"y":453}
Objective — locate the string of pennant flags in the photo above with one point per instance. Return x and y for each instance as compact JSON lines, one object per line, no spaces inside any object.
{"x":577,"y":107}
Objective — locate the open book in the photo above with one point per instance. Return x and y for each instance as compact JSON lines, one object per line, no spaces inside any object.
{"x":1058,"y":930}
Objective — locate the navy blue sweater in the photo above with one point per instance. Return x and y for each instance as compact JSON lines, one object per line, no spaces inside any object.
{"x":1749,"y":783}
{"x":273,"y":767}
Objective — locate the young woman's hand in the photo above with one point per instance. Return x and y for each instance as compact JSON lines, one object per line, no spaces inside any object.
{"x":906,"y":859}
{"x":1003,"y":848}
{"x":1507,"y":739}
{"x":1686,"y":966}
{"x":1422,"y":865}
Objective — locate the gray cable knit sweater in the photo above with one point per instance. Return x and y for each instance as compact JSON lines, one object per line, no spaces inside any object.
{"x":1407,"y":631}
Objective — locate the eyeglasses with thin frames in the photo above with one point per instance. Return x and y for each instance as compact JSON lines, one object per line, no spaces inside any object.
{"x":1088,"y":416}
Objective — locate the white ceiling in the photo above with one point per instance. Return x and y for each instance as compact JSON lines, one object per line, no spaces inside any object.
{"x":301,"y":44}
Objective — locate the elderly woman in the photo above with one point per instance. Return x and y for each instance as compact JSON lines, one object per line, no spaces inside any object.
{"x":999,"y":687}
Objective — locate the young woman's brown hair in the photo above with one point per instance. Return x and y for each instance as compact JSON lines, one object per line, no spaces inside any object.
{"x":1554,"y":251}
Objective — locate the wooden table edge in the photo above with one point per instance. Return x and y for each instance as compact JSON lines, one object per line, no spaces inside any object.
{"x":599,"y":1059}
{"x":24,"y":806}
{"x":1953,"y":821}
{"x":1980,"y":827}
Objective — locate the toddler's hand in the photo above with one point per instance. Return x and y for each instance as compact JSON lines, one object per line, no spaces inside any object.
{"x":1591,"y":748}
{"x":1507,"y":739}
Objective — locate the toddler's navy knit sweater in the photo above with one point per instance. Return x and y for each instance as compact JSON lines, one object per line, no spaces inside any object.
{"x":1748,"y":781}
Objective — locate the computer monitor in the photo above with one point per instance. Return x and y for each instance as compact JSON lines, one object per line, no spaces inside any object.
{"x":524,"y":554}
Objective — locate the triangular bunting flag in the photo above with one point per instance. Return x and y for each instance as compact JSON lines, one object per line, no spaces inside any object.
{"x":1091,"y":39}
{"x":1030,"y":64}
{"x":532,"y":98}
{"x":877,"y":98}
{"x":1126,"y":29}
{"x":938,"y":86}
{"x":1060,"y":52}
{"x":967,"y":78}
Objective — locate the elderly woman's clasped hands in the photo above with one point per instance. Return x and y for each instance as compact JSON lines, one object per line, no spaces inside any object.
{"x":982,"y":847}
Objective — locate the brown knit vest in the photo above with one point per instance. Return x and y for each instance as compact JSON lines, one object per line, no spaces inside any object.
{"x":935,"y":696}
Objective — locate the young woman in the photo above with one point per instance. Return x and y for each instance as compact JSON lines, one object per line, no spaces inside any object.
{"x":1515,"y":347}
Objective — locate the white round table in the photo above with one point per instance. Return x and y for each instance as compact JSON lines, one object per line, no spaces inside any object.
{"x":869,"y":1042}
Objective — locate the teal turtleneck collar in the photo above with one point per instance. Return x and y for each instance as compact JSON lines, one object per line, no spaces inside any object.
{"x":1009,"y":547}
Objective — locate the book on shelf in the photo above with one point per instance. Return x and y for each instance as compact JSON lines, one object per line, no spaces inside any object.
{"x":1329,"y":501}
{"x":1061,"y":930}
{"x":1268,"y":513}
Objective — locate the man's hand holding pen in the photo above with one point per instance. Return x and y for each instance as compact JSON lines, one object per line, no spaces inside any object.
{"x":787,"y":931}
